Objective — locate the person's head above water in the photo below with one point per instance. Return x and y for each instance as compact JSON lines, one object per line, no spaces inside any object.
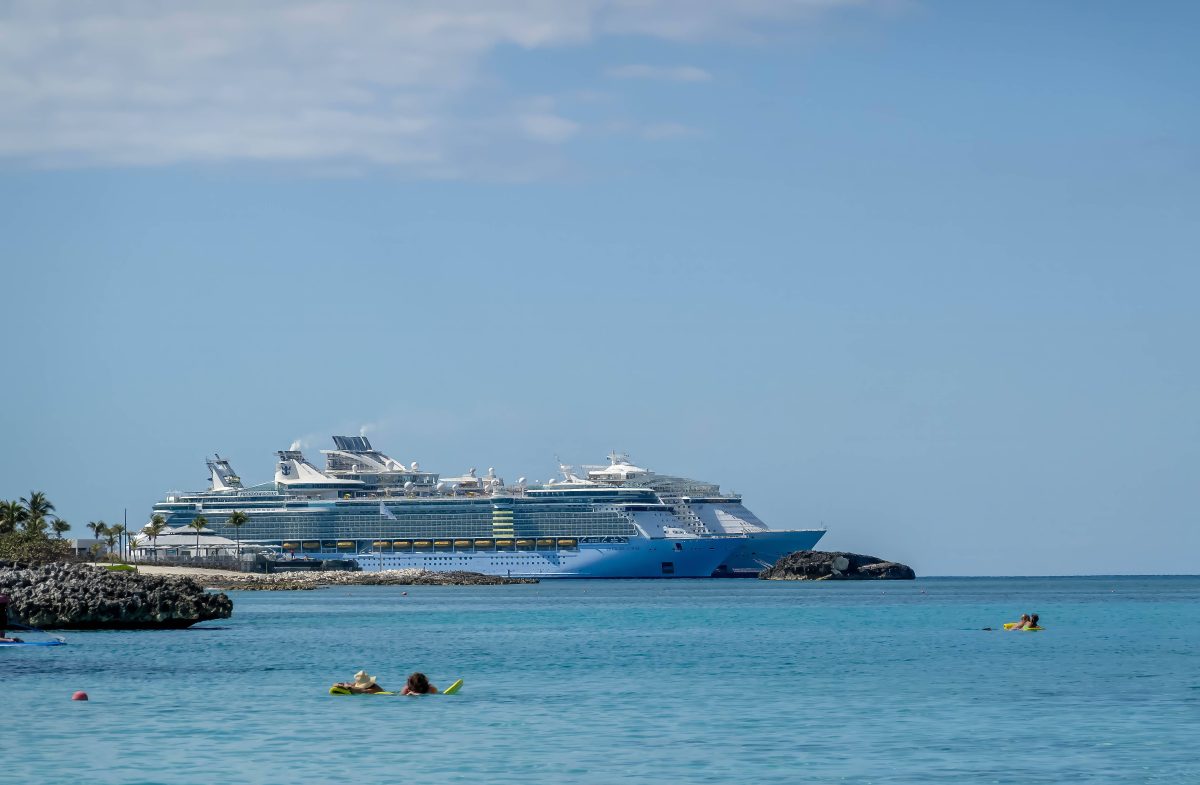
{"x":418,"y":683}
{"x":1024,"y":617}
{"x":1033,"y":620}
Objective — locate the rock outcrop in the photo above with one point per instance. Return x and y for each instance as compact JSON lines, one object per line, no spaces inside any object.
{"x":83,"y":597}
{"x":312,"y":580}
{"x":835,"y":566}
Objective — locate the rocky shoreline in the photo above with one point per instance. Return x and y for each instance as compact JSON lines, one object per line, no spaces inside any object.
{"x":835,"y":566}
{"x":84,"y":597}
{"x":303,"y":581}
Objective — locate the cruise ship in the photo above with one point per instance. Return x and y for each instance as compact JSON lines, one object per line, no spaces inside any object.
{"x":385,"y":515}
{"x":702,"y":509}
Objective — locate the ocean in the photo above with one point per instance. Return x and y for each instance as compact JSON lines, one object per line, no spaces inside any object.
{"x":672,"y":681}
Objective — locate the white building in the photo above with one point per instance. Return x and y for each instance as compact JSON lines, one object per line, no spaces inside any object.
{"x":183,"y":542}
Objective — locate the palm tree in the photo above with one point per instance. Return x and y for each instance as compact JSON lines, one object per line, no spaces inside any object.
{"x":12,"y":514}
{"x":156,"y":527}
{"x":111,"y":535}
{"x":118,"y":531}
{"x":198,"y":523}
{"x":37,"y":509}
{"x":111,"y":538}
{"x":236,"y":519}
{"x":60,"y":527}
{"x":98,"y":529}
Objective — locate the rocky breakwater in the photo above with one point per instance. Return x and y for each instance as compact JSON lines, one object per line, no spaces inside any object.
{"x":835,"y":566}
{"x":311,"y":580}
{"x":83,"y":597}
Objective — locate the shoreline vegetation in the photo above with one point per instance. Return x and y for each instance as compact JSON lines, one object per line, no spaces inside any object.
{"x":25,"y":524}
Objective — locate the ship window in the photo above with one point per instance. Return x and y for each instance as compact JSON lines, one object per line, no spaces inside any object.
{"x":668,"y":568}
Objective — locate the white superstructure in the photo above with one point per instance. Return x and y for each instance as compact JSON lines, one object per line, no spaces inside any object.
{"x":702,"y":509}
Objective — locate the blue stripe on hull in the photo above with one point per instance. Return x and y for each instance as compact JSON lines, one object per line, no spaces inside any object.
{"x":637,"y":559}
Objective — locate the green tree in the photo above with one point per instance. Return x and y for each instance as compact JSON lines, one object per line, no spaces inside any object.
{"x":12,"y":515}
{"x":38,"y":510}
{"x":237,"y":519}
{"x":118,"y":531}
{"x":157,"y":526}
{"x":111,"y":536}
{"x":33,"y":548}
{"x":60,"y":527}
{"x":99,"y":529}
{"x":198,"y":523}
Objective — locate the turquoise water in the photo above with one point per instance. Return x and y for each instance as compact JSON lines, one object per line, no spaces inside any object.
{"x":632,"y":681}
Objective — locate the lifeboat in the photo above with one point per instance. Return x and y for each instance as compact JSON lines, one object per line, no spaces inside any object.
{"x":568,"y":543}
{"x":312,"y":546}
{"x":421,"y":543}
{"x":382,"y":544}
{"x":291,"y":546}
{"x":545,"y":543}
{"x":483,"y":543}
{"x":462,"y":543}
{"x":503,"y":543}
{"x":441,"y":543}
{"x":402,"y":543}
{"x":328,"y":544}
{"x":524,"y":543}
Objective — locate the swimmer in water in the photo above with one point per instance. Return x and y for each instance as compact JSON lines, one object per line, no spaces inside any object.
{"x":418,"y":684}
{"x":1022,"y":624}
{"x":363,"y":683}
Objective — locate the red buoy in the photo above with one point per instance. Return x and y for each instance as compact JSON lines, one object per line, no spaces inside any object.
{"x":80,"y":695}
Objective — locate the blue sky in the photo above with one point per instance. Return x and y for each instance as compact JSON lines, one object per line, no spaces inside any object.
{"x":923,"y":272}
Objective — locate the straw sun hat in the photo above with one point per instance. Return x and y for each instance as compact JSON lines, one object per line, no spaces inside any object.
{"x":362,"y":680}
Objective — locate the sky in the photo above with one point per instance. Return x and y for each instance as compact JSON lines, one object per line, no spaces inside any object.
{"x":923,"y":273}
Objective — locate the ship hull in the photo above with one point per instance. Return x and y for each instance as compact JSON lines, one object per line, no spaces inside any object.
{"x":761,"y":549}
{"x":638,"y":558}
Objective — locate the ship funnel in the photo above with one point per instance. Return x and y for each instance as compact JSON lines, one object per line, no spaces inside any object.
{"x":223,"y":476}
{"x":290,"y":466}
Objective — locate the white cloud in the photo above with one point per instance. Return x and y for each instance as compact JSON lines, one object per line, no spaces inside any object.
{"x":332,"y":84}
{"x":539,"y":120}
{"x":675,"y":73}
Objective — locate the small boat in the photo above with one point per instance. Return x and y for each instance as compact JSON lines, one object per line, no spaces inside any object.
{"x":483,"y":543}
{"x":402,"y":544}
{"x":462,"y":543}
{"x":504,"y":543}
{"x":441,"y":543}
{"x":382,"y":544}
{"x":524,"y":543}
{"x":345,"y":544}
{"x":291,"y":546}
{"x":311,"y":545}
{"x":421,"y":543}
{"x":568,"y":543}
{"x":545,"y":543}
